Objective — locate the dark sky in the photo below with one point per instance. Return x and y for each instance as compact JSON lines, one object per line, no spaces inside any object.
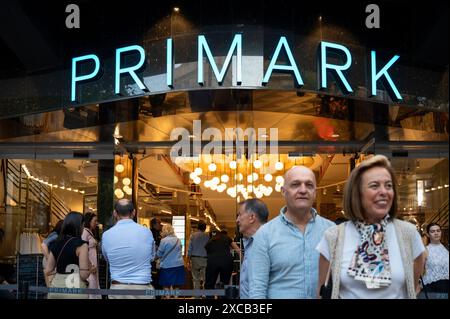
{"x":33,"y":36}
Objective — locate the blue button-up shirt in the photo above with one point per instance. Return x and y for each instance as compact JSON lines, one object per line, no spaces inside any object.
{"x":284,"y":262}
{"x":169,"y":251}
{"x":244,"y":292}
{"x":129,"y":249}
{"x":197,"y":244}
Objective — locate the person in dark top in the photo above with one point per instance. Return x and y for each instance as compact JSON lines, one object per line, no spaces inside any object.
{"x":156,"y":227}
{"x":68,"y":258}
{"x":219,"y":259}
{"x":4,"y":294}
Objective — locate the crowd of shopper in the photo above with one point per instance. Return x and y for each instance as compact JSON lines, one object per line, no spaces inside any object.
{"x":370,"y":254}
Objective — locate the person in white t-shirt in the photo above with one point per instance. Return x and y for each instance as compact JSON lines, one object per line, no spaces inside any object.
{"x":373,"y":255}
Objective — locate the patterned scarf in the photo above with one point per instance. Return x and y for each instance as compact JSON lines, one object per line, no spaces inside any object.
{"x":370,"y":263}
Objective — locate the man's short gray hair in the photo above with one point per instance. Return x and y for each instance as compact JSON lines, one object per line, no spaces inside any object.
{"x":258,"y":207}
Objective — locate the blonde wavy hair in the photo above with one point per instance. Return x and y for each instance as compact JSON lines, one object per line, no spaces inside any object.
{"x":167,"y":230}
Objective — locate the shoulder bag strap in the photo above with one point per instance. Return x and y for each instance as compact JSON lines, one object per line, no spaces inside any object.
{"x":171,"y":249}
{"x":60,"y":252}
{"x":333,"y":252}
{"x":424,"y":288}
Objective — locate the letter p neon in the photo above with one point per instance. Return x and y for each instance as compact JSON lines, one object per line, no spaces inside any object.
{"x":76,"y":78}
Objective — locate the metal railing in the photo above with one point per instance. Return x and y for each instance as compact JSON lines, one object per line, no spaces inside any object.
{"x":23,"y":289}
{"x":31,"y":190}
{"x":440,"y":217}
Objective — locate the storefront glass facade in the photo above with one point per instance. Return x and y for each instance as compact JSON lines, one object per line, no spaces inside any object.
{"x":60,"y":153}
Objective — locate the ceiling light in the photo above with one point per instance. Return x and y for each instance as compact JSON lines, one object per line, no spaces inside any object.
{"x":278,"y":166}
{"x":233,"y":164}
{"x":257,"y":164}
{"x":126,"y":181}
{"x":119,"y":193}
{"x":120,"y":168}
{"x":268,"y":177}
{"x":198,"y":171}
{"x":212,"y":167}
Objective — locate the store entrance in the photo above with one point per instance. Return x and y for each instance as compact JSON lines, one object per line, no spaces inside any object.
{"x":76,"y":159}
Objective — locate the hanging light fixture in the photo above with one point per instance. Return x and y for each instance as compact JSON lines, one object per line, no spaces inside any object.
{"x":279,"y":179}
{"x":279,"y":165}
{"x":119,"y":193}
{"x":120,"y":168}
{"x":257,"y":164}
{"x":212,"y":167}
{"x":268,"y":177}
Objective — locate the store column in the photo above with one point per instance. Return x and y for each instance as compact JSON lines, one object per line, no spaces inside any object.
{"x":105,"y":192}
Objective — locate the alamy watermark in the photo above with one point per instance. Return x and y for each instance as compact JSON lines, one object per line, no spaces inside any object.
{"x":73,"y":19}
{"x":373,"y":19}
{"x":249,"y":142}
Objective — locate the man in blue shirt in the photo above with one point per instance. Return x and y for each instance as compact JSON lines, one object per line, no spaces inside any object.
{"x":129,"y":248}
{"x":284,"y":262}
{"x":251,"y":215}
{"x":197,"y":255}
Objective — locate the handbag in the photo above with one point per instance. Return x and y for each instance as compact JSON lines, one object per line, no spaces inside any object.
{"x":327,"y":288}
{"x":158,"y":261}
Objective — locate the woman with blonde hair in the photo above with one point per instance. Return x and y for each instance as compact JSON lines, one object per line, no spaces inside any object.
{"x":171,"y":260}
{"x":374,"y":255}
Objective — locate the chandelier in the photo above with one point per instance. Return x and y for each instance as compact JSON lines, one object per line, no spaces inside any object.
{"x":253,"y":177}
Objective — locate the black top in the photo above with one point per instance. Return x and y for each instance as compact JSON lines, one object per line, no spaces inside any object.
{"x":156,"y":236}
{"x":68,"y":254}
{"x":219,"y":246}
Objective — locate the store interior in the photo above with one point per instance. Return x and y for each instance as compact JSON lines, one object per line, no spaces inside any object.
{"x":327,"y":134}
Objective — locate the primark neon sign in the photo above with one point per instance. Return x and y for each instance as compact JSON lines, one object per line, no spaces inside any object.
{"x":325,"y":67}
